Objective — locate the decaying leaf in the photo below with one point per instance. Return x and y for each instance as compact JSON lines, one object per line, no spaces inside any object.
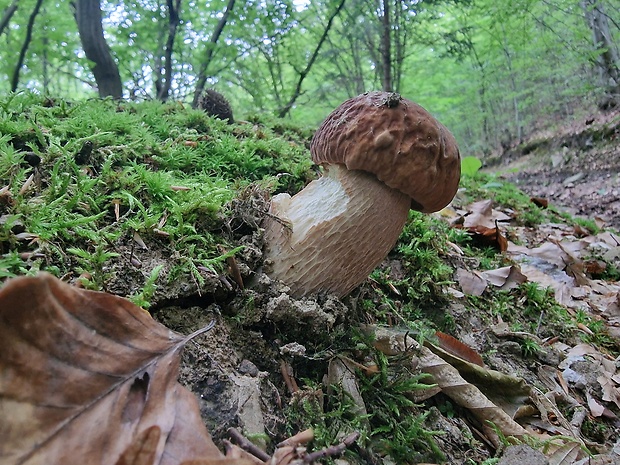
{"x":143,"y":449}
{"x":86,"y":377}
{"x":475,"y":282}
{"x":540,"y":202}
{"x":482,"y":214}
{"x":483,"y":236}
{"x":471,"y":282}
{"x":457,"y":348}
{"x":507,"y":277}
{"x":469,"y":396}
{"x":566,"y":454}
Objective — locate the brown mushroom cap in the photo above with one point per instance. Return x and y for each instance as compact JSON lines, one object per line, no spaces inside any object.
{"x":396,"y":140}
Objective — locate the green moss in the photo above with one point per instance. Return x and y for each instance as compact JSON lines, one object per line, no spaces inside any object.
{"x":109,"y":169}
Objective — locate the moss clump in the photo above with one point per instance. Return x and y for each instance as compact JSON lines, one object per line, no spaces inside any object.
{"x":112,"y":190}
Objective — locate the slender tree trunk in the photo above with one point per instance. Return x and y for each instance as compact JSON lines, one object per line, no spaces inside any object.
{"x":26,"y":44}
{"x":163,"y":83}
{"x":88,"y":18}
{"x":297,"y":92}
{"x":202,"y":74}
{"x":8,"y":14}
{"x":386,"y":47}
{"x":608,"y":60}
{"x":45,"y":64}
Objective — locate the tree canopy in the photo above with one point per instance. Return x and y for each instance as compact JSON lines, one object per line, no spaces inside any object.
{"x":491,"y":71}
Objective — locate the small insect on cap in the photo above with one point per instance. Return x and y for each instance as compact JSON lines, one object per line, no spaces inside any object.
{"x":398,"y":141}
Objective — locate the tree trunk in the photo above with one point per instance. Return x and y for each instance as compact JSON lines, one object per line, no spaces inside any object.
{"x":164,"y":77}
{"x":26,"y":44}
{"x":608,"y":60}
{"x":297,"y":92}
{"x":8,"y":14}
{"x":202,"y":74}
{"x":88,"y":18}
{"x":386,"y":47}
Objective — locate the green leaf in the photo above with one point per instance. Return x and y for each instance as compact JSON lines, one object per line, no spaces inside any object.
{"x":470,"y":165}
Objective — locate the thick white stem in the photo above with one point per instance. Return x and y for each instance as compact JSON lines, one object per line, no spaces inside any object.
{"x":332,"y":234}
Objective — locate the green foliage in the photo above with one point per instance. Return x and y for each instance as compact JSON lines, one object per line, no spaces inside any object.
{"x":504,"y":69}
{"x":421,"y":244}
{"x":143,"y":298}
{"x":395,"y":425}
{"x":470,"y":165}
{"x":528,"y":308}
{"x":529,"y":347}
{"x":93,"y":264}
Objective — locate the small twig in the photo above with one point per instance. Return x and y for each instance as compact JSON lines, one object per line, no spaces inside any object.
{"x":233,"y":269}
{"x":199,"y":332}
{"x":333,"y":450}
{"x":303,"y":437}
{"x":287,"y":374}
{"x":246,"y":445}
{"x":540,"y":320}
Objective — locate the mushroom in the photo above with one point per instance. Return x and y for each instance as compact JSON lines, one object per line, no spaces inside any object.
{"x":382,"y":155}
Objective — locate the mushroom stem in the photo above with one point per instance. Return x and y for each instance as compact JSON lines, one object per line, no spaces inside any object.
{"x":332,"y":234}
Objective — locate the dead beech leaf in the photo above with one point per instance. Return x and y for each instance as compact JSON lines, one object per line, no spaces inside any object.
{"x":481,"y":213}
{"x":596,"y":409}
{"x":566,"y":454}
{"x":457,"y":348}
{"x":483,"y":236}
{"x":85,"y":376}
{"x":452,"y":376}
{"x":142,"y":451}
{"x":471,"y":282}
{"x":507,"y":277}
{"x":540,"y":202}
{"x":468,"y":396}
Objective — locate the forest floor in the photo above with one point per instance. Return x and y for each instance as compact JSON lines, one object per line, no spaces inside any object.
{"x":536,"y":301}
{"x":576,"y":167}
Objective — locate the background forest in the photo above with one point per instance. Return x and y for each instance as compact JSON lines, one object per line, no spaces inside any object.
{"x":492,"y":71}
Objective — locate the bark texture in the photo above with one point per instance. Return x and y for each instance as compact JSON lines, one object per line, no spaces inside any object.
{"x":608,"y":59}
{"x":105,"y":70}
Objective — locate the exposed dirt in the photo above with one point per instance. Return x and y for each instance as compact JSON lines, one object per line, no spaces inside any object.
{"x":576,"y":168}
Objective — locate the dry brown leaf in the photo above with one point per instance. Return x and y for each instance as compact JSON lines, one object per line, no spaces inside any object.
{"x":540,"y":202}
{"x":469,"y":396}
{"x":566,"y":454}
{"x":482,"y":214}
{"x":142,"y":451}
{"x":471,"y":282}
{"x":548,"y":252}
{"x":596,"y":409}
{"x":454,"y":385}
{"x":83,"y":374}
{"x":507,"y":277}
{"x":483,"y":236}
{"x":459,"y":349}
